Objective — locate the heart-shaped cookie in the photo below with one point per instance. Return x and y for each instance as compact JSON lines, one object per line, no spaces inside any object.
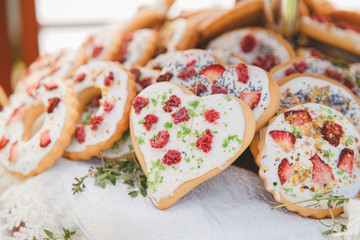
{"x":181,"y":140}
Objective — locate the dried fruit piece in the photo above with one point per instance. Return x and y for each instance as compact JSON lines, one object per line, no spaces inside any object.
{"x":297,"y":117}
{"x":242,"y":72}
{"x":17,"y":114}
{"x":165,"y":77}
{"x":285,"y":171}
{"x":215,"y":89}
{"x":3,"y":142}
{"x":95,"y":121}
{"x":171,"y":157}
{"x":173,"y":101}
{"x":204,"y":142}
{"x":191,"y":63}
{"x":52,"y":103}
{"x":346,"y":160}
{"x":213,"y":72}
{"x":198,"y":88}
{"x":161,"y":139}
{"x":167,"y":109}
{"x":97,"y":51}
{"x":180,"y":115}
{"x":80,"y":134}
{"x":187,"y":73}
{"x":284,"y":139}
{"x":80,"y":77}
{"x":248,"y":43}
{"x":289,"y":71}
{"x":211,"y":115}
{"x":139,"y":103}
{"x":334,"y":74}
{"x":45,"y":139}
{"x":150,"y":119}
{"x":108,"y":106}
{"x":322,"y":172}
{"x":266,"y":63}
{"x":332,"y":132}
{"x":51,"y":85}
{"x":251,"y":98}
{"x":109,"y":79}
{"x":300,"y":66}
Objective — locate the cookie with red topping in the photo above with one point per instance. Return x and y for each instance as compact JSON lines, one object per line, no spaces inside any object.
{"x":182,"y":140}
{"x":144,"y":77}
{"x":257,"y":46}
{"x":27,"y":149}
{"x":105,"y":92}
{"x":310,"y":150}
{"x":205,"y":74}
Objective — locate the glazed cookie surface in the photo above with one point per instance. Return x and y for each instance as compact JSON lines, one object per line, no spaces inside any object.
{"x":120,"y":149}
{"x":257,"y":46}
{"x":144,"y":77}
{"x":182,"y":140}
{"x":306,"y":151}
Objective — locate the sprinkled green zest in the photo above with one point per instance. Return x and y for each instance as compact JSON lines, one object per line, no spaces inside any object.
{"x":164,"y":96}
{"x":332,"y":201}
{"x":340,"y":63}
{"x":140,"y":140}
{"x":66,"y":235}
{"x":228,"y":98}
{"x":168,"y":125}
{"x":154,"y":173}
{"x":185,"y":131}
{"x":349,"y":140}
{"x":231,"y":138}
{"x":192,"y":113}
{"x":86,"y":119}
{"x":295,"y":132}
{"x":170,"y":90}
{"x":154,"y":102}
{"x":329,"y":153}
{"x":340,"y":172}
{"x":199,"y":162}
{"x":194,"y":104}
{"x":141,"y":121}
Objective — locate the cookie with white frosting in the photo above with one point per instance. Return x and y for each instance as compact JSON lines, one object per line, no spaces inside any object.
{"x":310,"y":150}
{"x":107,"y":118}
{"x":160,"y":60}
{"x":120,"y":149}
{"x":182,"y":140}
{"x":144,"y":77}
{"x":258,"y":46}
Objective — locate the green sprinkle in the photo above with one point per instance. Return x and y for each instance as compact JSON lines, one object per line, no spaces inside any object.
{"x":141,"y":121}
{"x":154,"y":102}
{"x":168,"y":125}
{"x":140,"y":140}
{"x":275,"y":183}
{"x":340,"y":172}
{"x":192,"y":113}
{"x":228,"y":98}
{"x":164,"y":96}
{"x":349,"y":140}
{"x":194,"y":104}
{"x":87,"y":119}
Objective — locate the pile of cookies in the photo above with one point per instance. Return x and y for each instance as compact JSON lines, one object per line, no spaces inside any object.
{"x":190,"y":95}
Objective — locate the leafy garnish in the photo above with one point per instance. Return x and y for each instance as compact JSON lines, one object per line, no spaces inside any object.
{"x":66,"y":235}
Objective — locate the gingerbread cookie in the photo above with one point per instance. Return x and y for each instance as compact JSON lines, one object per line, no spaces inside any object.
{"x":258,"y":46}
{"x":182,"y":140}
{"x":25,"y":153}
{"x":106,"y":118}
{"x":144,"y":77}
{"x":310,"y":150}
{"x":137,"y":48}
{"x":205,"y":74}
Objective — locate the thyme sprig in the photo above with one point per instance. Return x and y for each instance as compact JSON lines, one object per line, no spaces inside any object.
{"x":66,"y":235}
{"x":126,"y":169}
{"x":332,"y":201}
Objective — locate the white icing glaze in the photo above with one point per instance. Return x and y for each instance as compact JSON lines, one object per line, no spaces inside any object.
{"x":146,"y":73}
{"x":115,"y":94}
{"x":227,"y":57}
{"x":101,"y":39}
{"x":344,"y":184}
{"x":337,"y":97}
{"x":160,"y":61}
{"x":30,"y":152}
{"x":120,"y":148}
{"x":183,"y":136}
{"x":267,"y":43}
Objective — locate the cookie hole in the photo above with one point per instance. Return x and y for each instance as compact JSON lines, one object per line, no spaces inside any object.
{"x":88,"y":106}
{"x":33,"y":120}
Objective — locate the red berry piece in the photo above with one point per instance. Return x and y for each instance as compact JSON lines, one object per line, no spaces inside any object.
{"x":52,"y":103}
{"x":150,"y":119}
{"x":173,"y":101}
{"x":289,"y":71}
{"x":322,"y":173}
{"x":332,"y":132}
{"x":251,"y":98}
{"x":204,"y":142}
{"x":96,"y":102}
{"x":333,"y":74}
{"x":172,"y":157}
{"x":181,"y":115}
{"x":215,"y":89}
{"x":80,"y":77}
{"x":266,"y":63}
{"x":45,"y":139}
{"x":285,"y":140}
{"x":95,"y":121}
{"x":161,"y":139}
{"x":198,"y":88}
{"x":144,"y":82}
{"x":97,"y":51}
{"x":300,"y":66}
{"x":242,"y":72}
{"x":17,"y":114}
{"x":213,"y":72}
{"x":346,"y":160}
{"x":165,"y":77}
{"x":191,"y":63}
{"x":51,"y":86}
{"x":139,"y":103}
{"x":167,"y":109}
{"x":109,"y":79}
{"x":3,"y":142}
{"x":211,"y":115}
{"x":316,"y":53}
{"x":285,"y":171}
{"x":108,"y":106}
{"x":80,"y":134}
{"x":136,"y":72}
{"x":14,"y":153}
{"x":55,"y":69}
{"x":297,"y":117}
{"x":187,"y":73}
{"x":248,"y":43}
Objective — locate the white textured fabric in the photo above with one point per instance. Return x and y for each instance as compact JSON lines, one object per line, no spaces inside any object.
{"x":232,"y":205}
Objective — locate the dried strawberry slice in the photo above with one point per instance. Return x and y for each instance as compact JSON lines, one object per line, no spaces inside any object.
{"x":187,"y":73}
{"x":266,"y":62}
{"x":80,"y":134}
{"x":95,"y":121}
{"x":172,"y":157}
{"x":215,"y":89}
{"x":80,"y":77}
{"x":346,"y":160}
{"x":322,"y":172}
{"x":51,"y":86}
{"x":289,"y":71}
{"x":150,"y":119}
{"x":173,"y":101}
{"x":316,"y":53}
{"x":108,"y":106}
{"x":109,"y":79}
{"x":332,"y":132}
{"x":52,"y":103}
{"x":45,"y":139}
{"x":198,"y":88}
{"x":167,"y":109}
{"x":17,"y":114}
{"x":191,"y":63}
{"x":211,"y":115}
{"x":251,"y":98}
{"x":334,"y":74}
{"x":300,"y":66}
{"x":139,"y":103}
{"x":284,"y":139}
{"x":3,"y":142}
{"x":180,"y":115}
{"x":248,"y":43}
{"x":242,"y":72}
{"x":204,"y":142}
{"x":297,"y":117}
{"x":165,"y":77}
{"x":213,"y":72}
{"x":285,"y":171}
{"x":97,"y":51}
{"x":14,"y":153}
{"x":161,"y":139}
{"x":96,"y":101}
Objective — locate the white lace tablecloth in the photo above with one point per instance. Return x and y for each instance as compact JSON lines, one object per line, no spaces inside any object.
{"x":232,"y":205}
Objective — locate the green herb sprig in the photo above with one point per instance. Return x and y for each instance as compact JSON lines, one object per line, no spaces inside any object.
{"x":66,"y":235}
